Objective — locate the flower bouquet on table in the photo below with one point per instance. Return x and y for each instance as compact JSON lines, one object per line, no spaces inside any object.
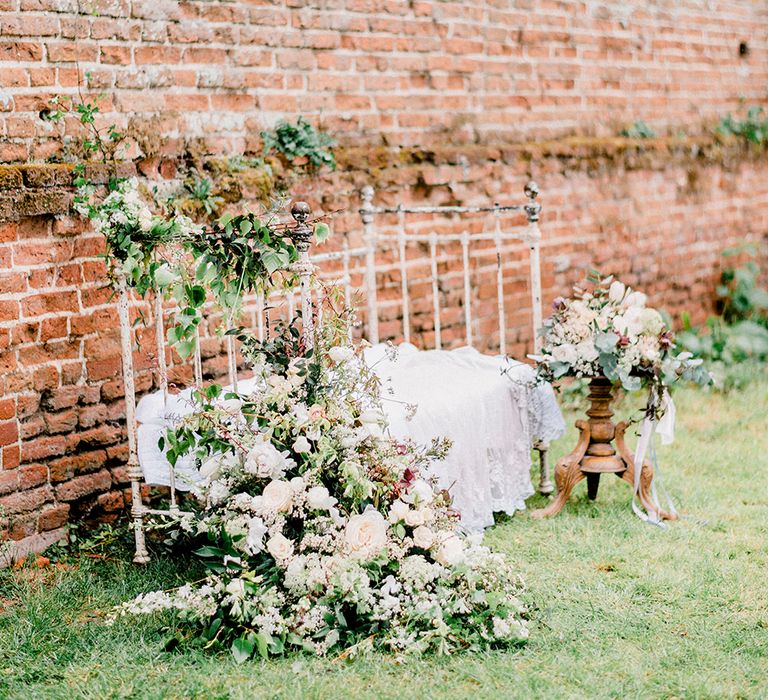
{"x":608,"y":331}
{"x":607,"y":334}
{"x":320,"y":532}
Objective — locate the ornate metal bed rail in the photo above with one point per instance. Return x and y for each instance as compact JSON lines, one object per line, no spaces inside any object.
{"x":363,"y":259}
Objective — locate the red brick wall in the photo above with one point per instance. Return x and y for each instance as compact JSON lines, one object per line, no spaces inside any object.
{"x":434,"y":102}
{"x":410,"y":72}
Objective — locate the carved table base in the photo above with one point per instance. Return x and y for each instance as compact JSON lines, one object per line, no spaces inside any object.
{"x":594,"y":454}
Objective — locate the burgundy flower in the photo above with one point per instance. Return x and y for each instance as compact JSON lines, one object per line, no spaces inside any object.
{"x":623,"y":341}
{"x":667,"y":339}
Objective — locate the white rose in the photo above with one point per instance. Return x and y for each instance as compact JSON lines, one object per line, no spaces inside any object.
{"x":255,"y":538}
{"x":301,"y":414}
{"x":218,"y":493}
{"x":277,"y":496}
{"x":616,"y":291}
{"x":423,"y":537}
{"x":630,"y":324}
{"x":265,"y":460}
{"x":565,"y":353}
{"x":366,"y":534}
{"x":652,"y":321}
{"x":318,"y":498}
{"x":398,"y":511}
{"x":450,"y":552}
{"x":635,"y":299}
{"x":280,"y":547}
{"x":419,"y":491}
{"x":297,"y":484}
{"x":587,"y":351}
{"x":301,"y":445}
{"x":414,"y":517}
{"x":341,"y":353}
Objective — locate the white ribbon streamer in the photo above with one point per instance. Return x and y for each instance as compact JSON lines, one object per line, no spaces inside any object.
{"x":666,"y":429}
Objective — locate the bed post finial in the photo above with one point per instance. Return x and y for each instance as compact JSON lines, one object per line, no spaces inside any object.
{"x":301,"y":235}
{"x":367,"y":212}
{"x":532,"y":208}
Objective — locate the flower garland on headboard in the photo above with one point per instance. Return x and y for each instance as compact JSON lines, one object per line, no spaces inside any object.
{"x":187,"y":262}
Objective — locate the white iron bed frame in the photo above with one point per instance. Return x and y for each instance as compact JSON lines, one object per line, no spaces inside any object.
{"x":357,"y":263}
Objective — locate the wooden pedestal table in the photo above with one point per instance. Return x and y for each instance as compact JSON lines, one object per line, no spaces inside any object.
{"x":595,"y":454}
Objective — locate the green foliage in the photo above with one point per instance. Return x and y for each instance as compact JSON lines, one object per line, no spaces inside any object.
{"x":735,"y":342}
{"x":740,"y":294}
{"x":638,"y":130}
{"x":753,"y":128}
{"x":301,"y":140}
{"x":199,"y":192}
{"x":99,"y":141}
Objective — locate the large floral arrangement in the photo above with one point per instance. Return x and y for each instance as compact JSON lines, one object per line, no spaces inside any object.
{"x":608,"y":330}
{"x":323,"y":533}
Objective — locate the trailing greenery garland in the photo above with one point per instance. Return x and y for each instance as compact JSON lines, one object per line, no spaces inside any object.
{"x":187,"y":262}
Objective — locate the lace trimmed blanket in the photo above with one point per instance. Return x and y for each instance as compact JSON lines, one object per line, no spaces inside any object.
{"x":489,"y":407}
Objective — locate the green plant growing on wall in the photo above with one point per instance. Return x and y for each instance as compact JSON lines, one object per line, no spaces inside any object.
{"x":735,"y":343}
{"x":200,"y":195}
{"x":300,"y":141}
{"x":739,"y":293}
{"x":99,"y":142}
{"x":638,"y":130}
{"x":753,"y":128}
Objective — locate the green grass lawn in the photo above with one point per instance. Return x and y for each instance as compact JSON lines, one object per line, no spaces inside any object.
{"x":619,"y":609}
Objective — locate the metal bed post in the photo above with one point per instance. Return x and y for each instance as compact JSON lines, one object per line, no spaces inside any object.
{"x":134,"y":470}
{"x":367,"y":211}
{"x":301,"y":235}
{"x":533,"y":211}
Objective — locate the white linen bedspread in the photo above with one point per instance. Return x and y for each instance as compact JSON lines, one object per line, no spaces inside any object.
{"x":491,"y":418}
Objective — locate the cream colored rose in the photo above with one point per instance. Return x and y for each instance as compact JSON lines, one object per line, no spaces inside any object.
{"x":652,"y":321}
{"x":318,"y":498}
{"x":423,"y":537}
{"x":414,"y":517}
{"x":366,"y":534}
{"x":341,"y":353}
{"x":277,"y":496}
{"x":301,"y":444}
{"x":616,"y":291}
{"x":565,"y":353}
{"x":398,"y":511}
{"x":587,"y":351}
{"x":280,"y":547}
{"x":450,"y":552}
{"x":419,"y":492}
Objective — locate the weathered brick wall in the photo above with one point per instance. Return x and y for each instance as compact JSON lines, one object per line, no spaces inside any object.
{"x":210,"y":75}
{"x":434,"y":102}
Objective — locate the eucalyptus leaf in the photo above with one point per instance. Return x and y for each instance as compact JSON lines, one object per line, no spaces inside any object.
{"x":322,"y":232}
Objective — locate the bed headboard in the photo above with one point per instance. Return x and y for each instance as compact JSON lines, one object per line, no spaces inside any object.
{"x":412,"y":258}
